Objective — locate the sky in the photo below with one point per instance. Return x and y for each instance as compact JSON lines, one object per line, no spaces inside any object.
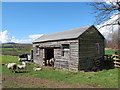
{"x":23,"y":22}
{"x":22,"y":19}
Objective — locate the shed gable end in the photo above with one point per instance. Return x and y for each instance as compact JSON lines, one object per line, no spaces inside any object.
{"x":93,"y":32}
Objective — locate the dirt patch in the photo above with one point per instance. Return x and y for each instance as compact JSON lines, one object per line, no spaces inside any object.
{"x":29,"y":82}
{"x":47,"y":67}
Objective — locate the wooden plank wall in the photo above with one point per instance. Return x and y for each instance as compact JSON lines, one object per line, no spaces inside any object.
{"x":74,"y":60}
{"x":37,"y":58}
{"x":70,"y":62}
{"x":87,"y":47}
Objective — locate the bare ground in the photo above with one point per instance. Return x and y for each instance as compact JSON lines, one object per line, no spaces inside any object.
{"x":29,"y":82}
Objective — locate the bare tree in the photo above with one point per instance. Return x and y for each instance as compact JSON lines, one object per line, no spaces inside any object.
{"x":104,"y":11}
{"x":108,"y":12}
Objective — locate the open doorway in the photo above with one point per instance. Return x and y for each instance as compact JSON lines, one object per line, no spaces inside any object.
{"x":49,"y":54}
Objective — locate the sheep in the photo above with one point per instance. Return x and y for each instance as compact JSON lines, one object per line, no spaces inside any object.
{"x":11,"y":66}
{"x":52,"y":61}
{"x":19,"y":60}
{"x":37,"y":69}
{"x":47,"y":62}
{"x":43,"y":63}
{"x":22,"y":66}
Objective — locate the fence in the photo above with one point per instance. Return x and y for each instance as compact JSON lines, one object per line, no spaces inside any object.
{"x":116,"y":59}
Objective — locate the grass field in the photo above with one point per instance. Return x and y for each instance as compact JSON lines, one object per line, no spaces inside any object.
{"x":15,"y":49}
{"x":14,"y":52}
{"x":9,"y":48}
{"x":110,"y":51}
{"x":105,"y":78}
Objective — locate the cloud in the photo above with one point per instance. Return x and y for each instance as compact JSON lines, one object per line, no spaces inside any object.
{"x":6,"y":37}
{"x":21,"y":41}
{"x":108,"y":30}
{"x":113,"y":2}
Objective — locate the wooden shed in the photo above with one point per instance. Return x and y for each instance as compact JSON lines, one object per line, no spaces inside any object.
{"x":72,"y":49}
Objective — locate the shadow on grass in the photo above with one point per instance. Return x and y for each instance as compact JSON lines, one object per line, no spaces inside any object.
{"x":22,"y":71}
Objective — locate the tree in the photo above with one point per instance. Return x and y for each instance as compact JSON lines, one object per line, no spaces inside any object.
{"x":104,"y":11}
{"x":107,"y":14}
{"x":113,"y":43}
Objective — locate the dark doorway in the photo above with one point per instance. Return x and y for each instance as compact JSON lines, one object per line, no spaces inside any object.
{"x":49,"y":53}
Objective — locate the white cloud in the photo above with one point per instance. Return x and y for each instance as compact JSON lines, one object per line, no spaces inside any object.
{"x":108,"y":30}
{"x":21,"y":41}
{"x":6,"y":37}
{"x":113,"y":2}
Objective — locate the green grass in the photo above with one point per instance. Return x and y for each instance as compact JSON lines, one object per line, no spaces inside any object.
{"x":10,"y":59}
{"x":24,"y":51}
{"x":106,"y":78}
{"x":110,"y":51}
{"x":14,"y":52}
{"x":9,"y":48}
{"x":12,"y":85}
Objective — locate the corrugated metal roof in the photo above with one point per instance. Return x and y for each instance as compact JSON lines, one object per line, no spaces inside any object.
{"x":67,"y":34}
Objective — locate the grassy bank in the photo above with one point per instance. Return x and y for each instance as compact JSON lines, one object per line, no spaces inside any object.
{"x":105,"y":78}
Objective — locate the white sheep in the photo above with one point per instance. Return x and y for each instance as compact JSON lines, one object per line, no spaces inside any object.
{"x":12,"y":66}
{"x":52,"y":61}
{"x":37,"y":69}
{"x":47,"y":62}
{"x":22,"y":66}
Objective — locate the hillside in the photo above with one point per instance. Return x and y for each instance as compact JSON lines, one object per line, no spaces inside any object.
{"x":15,"y":49}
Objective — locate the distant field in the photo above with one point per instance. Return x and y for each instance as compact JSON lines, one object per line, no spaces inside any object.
{"x":15,"y":50}
{"x":110,"y":51}
{"x":9,"y":48}
{"x":50,"y":77}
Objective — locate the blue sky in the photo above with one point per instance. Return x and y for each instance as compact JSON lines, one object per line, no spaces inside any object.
{"x":22,"y":19}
